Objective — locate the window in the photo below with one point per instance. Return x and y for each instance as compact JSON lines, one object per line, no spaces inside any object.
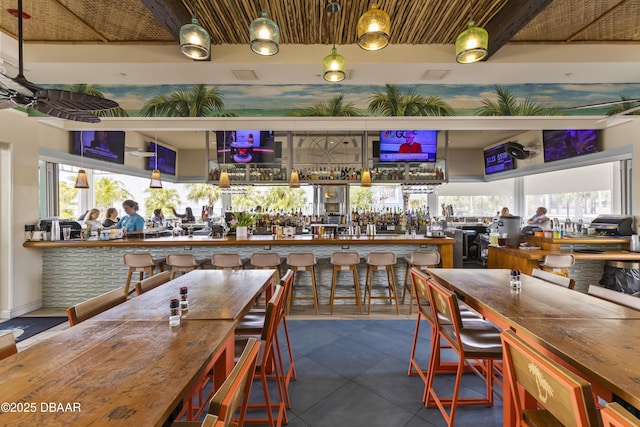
{"x":477,"y":199}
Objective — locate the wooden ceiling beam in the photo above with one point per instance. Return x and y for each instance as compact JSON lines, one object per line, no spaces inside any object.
{"x":513,"y":17}
{"x":171,"y":14}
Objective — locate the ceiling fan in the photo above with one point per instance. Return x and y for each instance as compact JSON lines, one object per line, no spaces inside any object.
{"x":612,"y":103}
{"x":19,"y":92}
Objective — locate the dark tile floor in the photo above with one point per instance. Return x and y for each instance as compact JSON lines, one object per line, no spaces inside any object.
{"x":354,"y":373}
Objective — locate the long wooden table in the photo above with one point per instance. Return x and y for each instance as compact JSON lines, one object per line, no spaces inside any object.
{"x":127,"y":366}
{"x":592,"y":337}
{"x":212,"y":295}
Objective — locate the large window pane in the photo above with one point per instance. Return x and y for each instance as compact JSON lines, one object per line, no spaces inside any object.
{"x":477,"y":199}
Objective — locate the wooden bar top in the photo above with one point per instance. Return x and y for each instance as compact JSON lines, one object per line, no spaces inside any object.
{"x":300,"y":240}
{"x":120,"y":373}
{"x":212,"y":294}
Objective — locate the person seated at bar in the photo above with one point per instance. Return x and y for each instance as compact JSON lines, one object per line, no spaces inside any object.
{"x":187,"y":217}
{"x":505,"y":212}
{"x":540,"y":219}
{"x":158,"y":218}
{"x":91,"y":220}
{"x":110,"y":218}
{"x":132,"y":222}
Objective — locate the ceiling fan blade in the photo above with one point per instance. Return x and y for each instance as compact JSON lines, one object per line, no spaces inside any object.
{"x":64,"y":99}
{"x":606,"y":104}
{"x":7,"y":103}
{"x":68,"y":114}
{"x":14,"y":86}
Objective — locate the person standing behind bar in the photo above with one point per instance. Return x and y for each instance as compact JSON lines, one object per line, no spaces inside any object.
{"x":186,"y":217}
{"x":110,"y":218}
{"x":132,"y":222}
{"x":158,"y":218}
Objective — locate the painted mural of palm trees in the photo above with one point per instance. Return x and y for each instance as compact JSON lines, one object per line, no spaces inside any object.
{"x":96,"y":90}
{"x":336,"y":107}
{"x":198,"y":101}
{"x":509,"y":105}
{"x":624,"y":106}
{"x":393,"y":102}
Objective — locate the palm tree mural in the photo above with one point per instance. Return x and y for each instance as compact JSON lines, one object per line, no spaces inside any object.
{"x":199,"y":101}
{"x":393,"y":102}
{"x":160,"y":198}
{"x":336,"y":107}
{"x":624,"y":106}
{"x":509,"y":105}
{"x":96,"y":90}
{"x":108,"y":191}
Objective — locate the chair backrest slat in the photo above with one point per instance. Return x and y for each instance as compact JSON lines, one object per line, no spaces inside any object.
{"x":87,"y":309}
{"x":553,"y":278}
{"x":152,"y":282}
{"x":446,"y":312}
{"x":562,"y":393}
{"x":614,"y":296}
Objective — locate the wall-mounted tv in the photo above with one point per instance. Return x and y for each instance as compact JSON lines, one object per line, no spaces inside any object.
{"x":496,"y":159}
{"x":408,"y":145}
{"x":106,"y":145}
{"x":245,"y":146}
{"x":564,"y":144}
{"x":166,"y":159}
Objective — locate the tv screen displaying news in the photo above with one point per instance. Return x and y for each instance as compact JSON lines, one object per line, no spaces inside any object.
{"x":166,"y":159}
{"x":245,"y":146}
{"x":408,"y":145}
{"x":99,"y":144}
{"x":496,"y":159}
{"x":564,"y":144}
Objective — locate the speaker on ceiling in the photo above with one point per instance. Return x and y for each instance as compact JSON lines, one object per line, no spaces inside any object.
{"x":517,"y":151}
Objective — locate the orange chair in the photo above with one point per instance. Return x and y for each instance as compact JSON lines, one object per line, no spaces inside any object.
{"x":614,"y":415}
{"x":152,"y":282}
{"x":420,"y":260}
{"x":562,"y":397}
{"x":87,"y":309}
{"x":7,"y":345}
{"x":479,"y":342}
{"x":266,"y":368}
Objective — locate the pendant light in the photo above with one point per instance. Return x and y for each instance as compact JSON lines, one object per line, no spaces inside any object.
{"x":264,"y":35}
{"x":472,"y":44}
{"x":334,"y":65}
{"x":195,"y":42}
{"x":365,"y":178}
{"x":374,"y":27}
{"x":81,"y":178}
{"x":156,"y":182}
{"x":224,"y":176}
{"x":294,"y":180}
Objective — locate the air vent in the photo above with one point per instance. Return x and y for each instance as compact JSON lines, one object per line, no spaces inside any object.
{"x":435,"y":74}
{"x":245,"y":74}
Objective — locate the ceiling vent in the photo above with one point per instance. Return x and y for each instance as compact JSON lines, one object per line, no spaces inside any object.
{"x":245,"y":74}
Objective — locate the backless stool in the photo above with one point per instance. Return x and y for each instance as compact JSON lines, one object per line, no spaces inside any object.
{"x":381,"y":261}
{"x":304,"y":261}
{"x":345,"y":261}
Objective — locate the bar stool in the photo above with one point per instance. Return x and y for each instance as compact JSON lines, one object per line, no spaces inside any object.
{"x":140,"y":263}
{"x":303,"y":261}
{"x":381,"y":261}
{"x":271,"y":260}
{"x":345,"y":261}
{"x":558,"y":263}
{"x":182,"y":263}
{"x":226,"y":261}
{"x":420,"y":260}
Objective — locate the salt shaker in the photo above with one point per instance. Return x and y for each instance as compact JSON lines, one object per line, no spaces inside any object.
{"x":184,"y":301}
{"x":174,"y":317}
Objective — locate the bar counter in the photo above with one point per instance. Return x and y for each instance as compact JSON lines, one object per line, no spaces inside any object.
{"x":76,"y":270}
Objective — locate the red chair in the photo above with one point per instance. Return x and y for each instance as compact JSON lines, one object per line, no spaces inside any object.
{"x":562,"y":397}
{"x":614,"y":415}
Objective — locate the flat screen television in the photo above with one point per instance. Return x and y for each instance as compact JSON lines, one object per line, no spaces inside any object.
{"x":245,"y":146}
{"x":568,"y":143}
{"x":496,"y":159}
{"x":166,"y":159}
{"x":106,"y":145}
{"x":408,"y":145}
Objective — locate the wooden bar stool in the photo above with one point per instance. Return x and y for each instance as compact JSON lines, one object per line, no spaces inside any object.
{"x":226,"y":261}
{"x":304,"y":261}
{"x":345,"y":261}
{"x":558,"y":263}
{"x":421,"y":261}
{"x":182,"y":263}
{"x":141,"y":263}
{"x":271,"y":260}
{"x":381,"y":261}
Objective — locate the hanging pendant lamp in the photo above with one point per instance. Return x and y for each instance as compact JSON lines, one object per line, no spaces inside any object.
{"x":472,"y":44}
{"x":374,"y":27}
{"x":334,"y":65}
{"x":195,"y":42}
{"x":224,"y":179}
{"x":156,"y":181}
{"x":264,"y":35}
{"x":294,"y":180}
{"x":81,"y":178}
{"x":365,"y":178}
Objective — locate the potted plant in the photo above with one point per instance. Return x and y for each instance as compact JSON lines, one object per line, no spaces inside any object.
{"x":242,"y":221}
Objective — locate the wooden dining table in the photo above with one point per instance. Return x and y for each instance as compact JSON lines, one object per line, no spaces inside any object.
{"x":127,"y":366}
{"x":212,"y":295}
{"x":597,"y":339}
